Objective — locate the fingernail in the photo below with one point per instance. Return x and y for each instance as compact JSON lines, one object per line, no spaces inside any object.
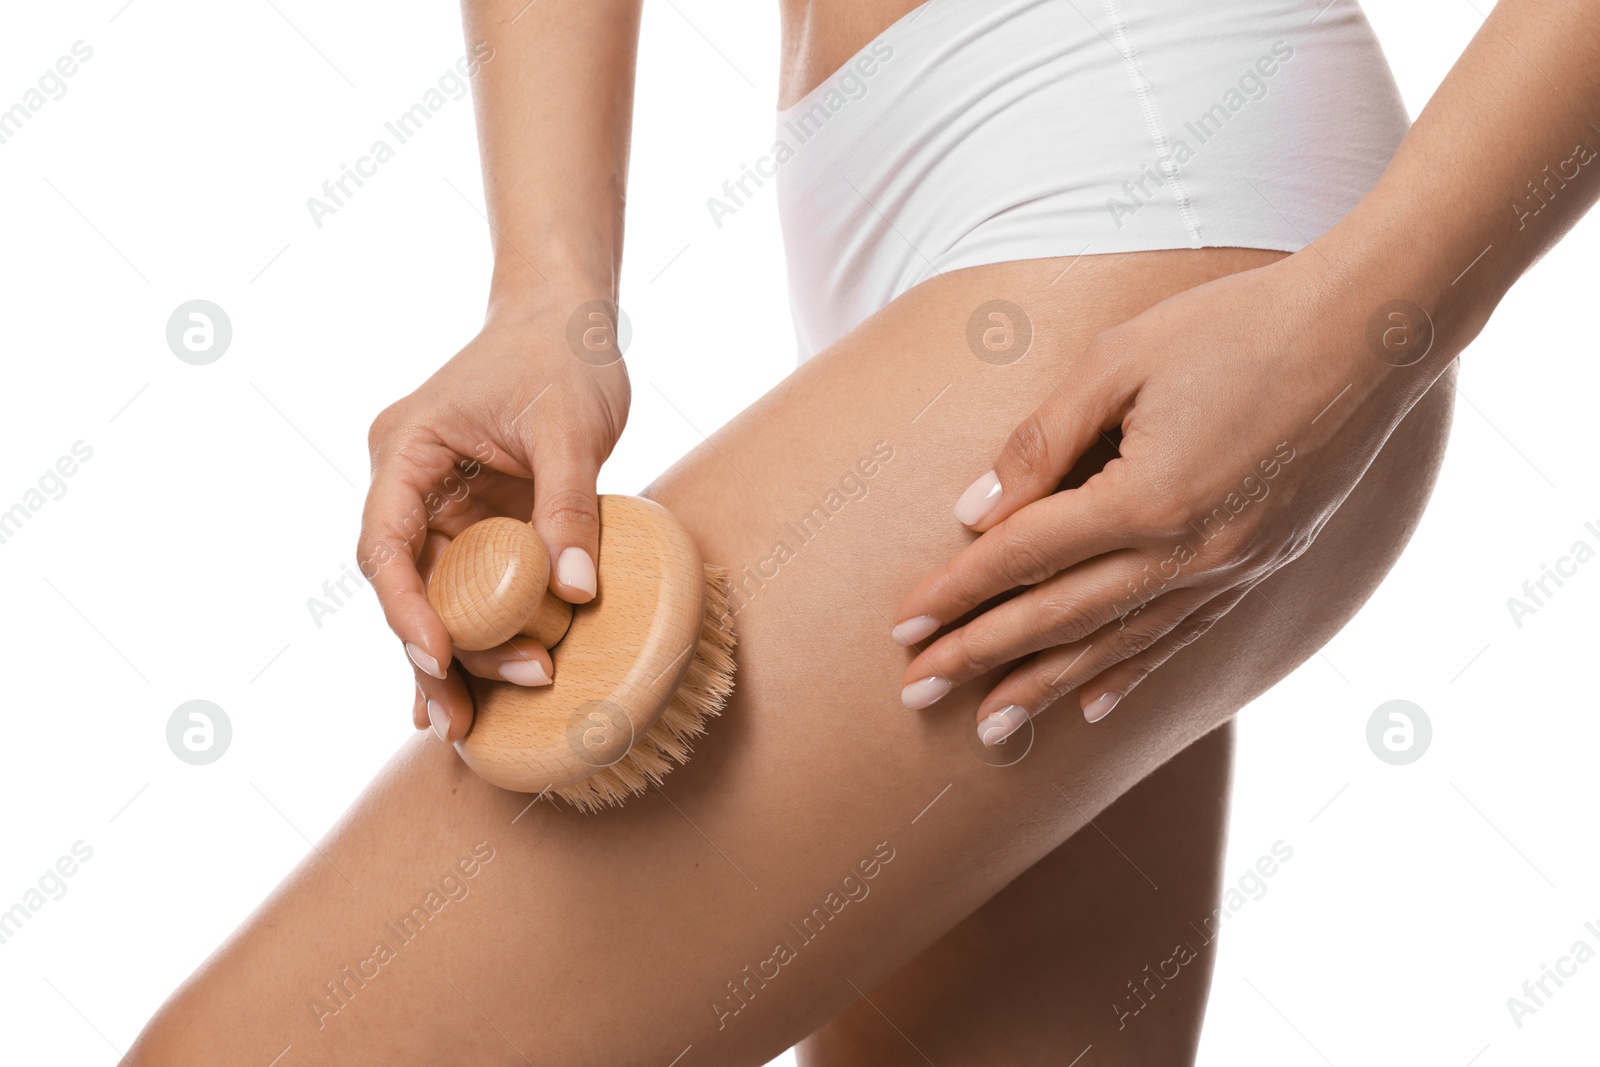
{"x":979,"y":499}
{"x":922,"y":693}
{"x":575,"y":570}
{"x":524,"y":672}
{"x":1002,"y":724}
{"x":1101,"y":706}
{"x":440,"y":720}
{"x":424,"y":662}
{"x":913,"y":630}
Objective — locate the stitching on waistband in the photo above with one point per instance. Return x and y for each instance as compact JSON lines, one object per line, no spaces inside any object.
{"x":1152,"y":120}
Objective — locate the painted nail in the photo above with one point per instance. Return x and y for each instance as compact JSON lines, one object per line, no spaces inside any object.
{"x":921,"y":693}
{"x":524,"y":672}
{"x":1002,"y":724}
{"x":440,"y":720}
{"x":913,"y":630}
{"x":1101,"y":706}
{"x":979,"y":499}
{"x":575,"y":569}
{"x":424,"y":662}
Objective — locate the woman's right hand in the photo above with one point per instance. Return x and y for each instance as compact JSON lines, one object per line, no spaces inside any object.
{"x":517,"y":423}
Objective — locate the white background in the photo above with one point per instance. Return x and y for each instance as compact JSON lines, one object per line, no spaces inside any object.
{"x":219,"y":498}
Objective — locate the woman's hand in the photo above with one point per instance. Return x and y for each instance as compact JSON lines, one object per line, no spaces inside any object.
{"x":1249,"y":408}
{"x":517,"y":423}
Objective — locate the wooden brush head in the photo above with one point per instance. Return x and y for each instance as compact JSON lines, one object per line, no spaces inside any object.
{"x":595,"y":733}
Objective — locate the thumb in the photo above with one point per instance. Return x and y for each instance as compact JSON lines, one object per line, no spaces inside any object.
{"x":1037,"y":456}
{"x":567,"y":515}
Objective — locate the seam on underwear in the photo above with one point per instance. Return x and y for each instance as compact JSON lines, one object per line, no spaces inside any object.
{"x":1152,"y":119}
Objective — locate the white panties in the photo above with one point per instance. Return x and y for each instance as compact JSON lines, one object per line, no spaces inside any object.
{"x":981,"y":131}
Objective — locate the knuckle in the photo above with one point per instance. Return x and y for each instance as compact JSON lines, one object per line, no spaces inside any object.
{"x":1136,"y":671}
{"x":1054,"y":681}
{"x":383,"y":426}
{"x":1251,"y":553}
{"x":1288,"y":549}
{"x":977,"y":649}
{"x":1027,"y":454}
{"x":1062,"y":620}
{"x":1231,"y":566}
{"x":1240,"y":536}
{"x":1024,"y":560}
{"x":1197,"y":629}
{"x":945,"y":586}
{"x":1240,"y":556}
{"x":374,"y":552}
{"x":571,"y":509}
{"x":1167,"y":507}
{"x":1101,"y":347}
{"x":1168,"y":518}
{"x":1127,"y":642}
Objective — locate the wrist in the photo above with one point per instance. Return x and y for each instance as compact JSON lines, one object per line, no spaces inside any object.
{"x":530,"y":281}
{"x":536,"y":304}
{"x":1394,"y":308}
{"x":1392,"y":252}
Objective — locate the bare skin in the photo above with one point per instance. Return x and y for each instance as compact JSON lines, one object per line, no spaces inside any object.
{"x":611,"y":939}
{"x":608,"y":939}
{"x":820,"y":36}
{"x":1042,"y":972}
{"x":1508,"y":143}
{"x":537,"y":82}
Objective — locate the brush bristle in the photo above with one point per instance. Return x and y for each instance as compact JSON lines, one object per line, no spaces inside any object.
{"x":702,"y":695}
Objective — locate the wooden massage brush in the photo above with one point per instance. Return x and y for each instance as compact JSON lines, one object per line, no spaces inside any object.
{"x":638,"y":670}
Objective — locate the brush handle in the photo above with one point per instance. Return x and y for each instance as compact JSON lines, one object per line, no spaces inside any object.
{"x":492,"y":583}
{"x":620,"y":664}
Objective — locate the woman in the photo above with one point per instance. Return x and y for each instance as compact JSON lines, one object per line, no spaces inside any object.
{"x":1157,"y":296}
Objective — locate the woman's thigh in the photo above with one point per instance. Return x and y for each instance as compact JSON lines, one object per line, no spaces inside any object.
{"x":822,"y":836}
{"x":1081,"y":951}
{"x":1024,"y":979}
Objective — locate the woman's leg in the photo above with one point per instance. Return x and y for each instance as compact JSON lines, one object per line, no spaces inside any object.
{"x":796,"y":861}
{"x":1026,"y":980}
{"x":1080,"y":952}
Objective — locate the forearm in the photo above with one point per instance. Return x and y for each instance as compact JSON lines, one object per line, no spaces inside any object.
{"x":1500,"y":164}
{"x":554,"y":112}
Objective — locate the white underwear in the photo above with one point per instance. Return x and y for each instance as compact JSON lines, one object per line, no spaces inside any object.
{"x":982,"y":131}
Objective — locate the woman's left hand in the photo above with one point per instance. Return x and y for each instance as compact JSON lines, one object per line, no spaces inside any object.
{"x":1249,"y":407}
